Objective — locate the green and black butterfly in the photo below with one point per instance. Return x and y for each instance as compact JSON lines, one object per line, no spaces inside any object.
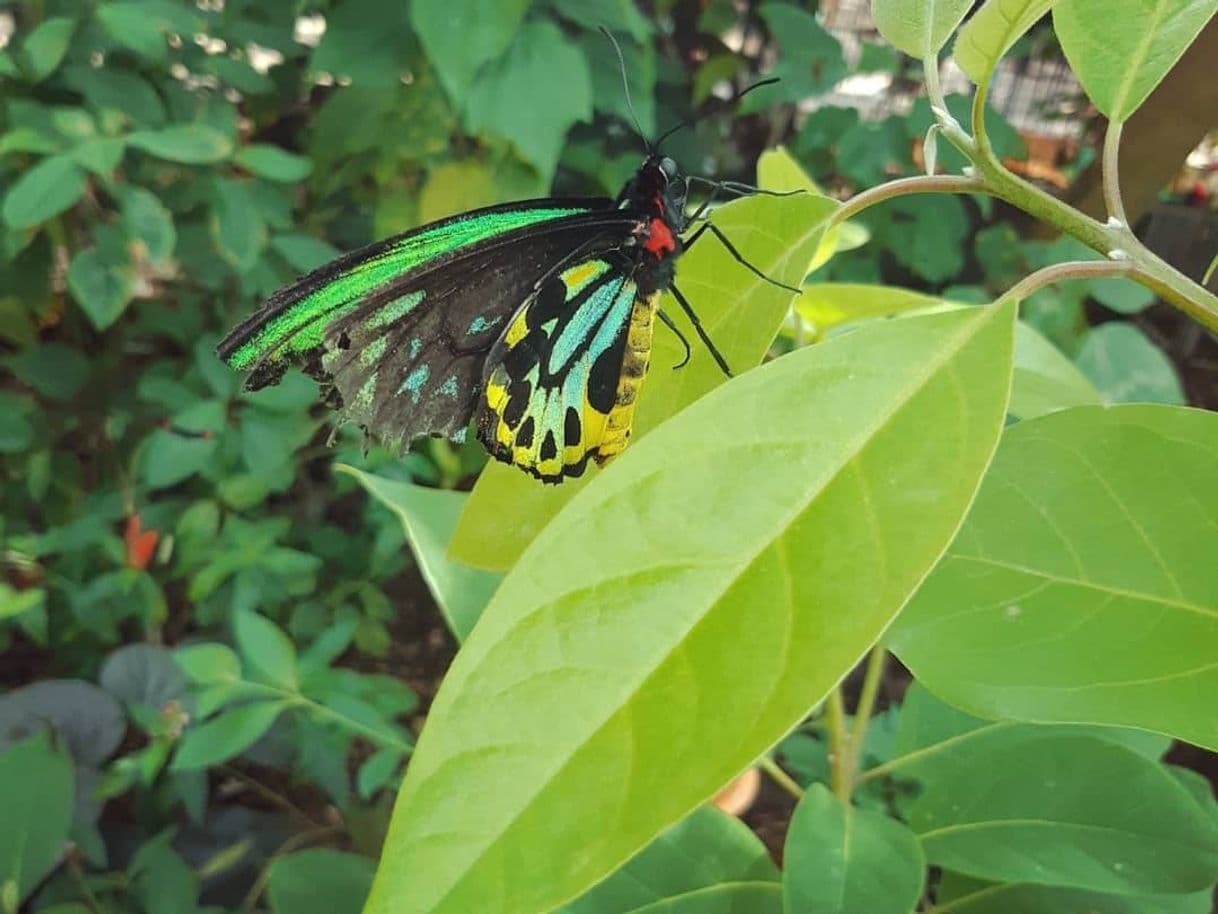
{"x":535,"y":319}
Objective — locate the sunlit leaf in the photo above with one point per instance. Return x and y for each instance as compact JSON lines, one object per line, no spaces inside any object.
{"x":672,"y":624}
{"x":1083,"y":586}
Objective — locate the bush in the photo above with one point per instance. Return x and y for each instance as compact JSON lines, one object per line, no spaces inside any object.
{"x":223,"y":636}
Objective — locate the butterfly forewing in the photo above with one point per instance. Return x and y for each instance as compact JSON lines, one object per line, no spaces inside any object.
{"x":401,"y":329}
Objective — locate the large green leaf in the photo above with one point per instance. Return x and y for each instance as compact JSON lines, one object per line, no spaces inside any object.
{"x":1126,"y":367}
{"x":429,"y":517}
{"x":961,"y":895}
{"x":462,"y":35}
{"x":1083,"y":586}
{"x":707,"y":848}
{"x":1045,"y":379}
{"x":545,"y":67}
{"x":227,"y":734}
{"x":36,"y":786}
{"x":318,"y":881}
{"x":1048,"y":806}
{"x":689,"y":607}
{"x":43,"y":191}
{"x":727,"y":898}
{"x":842,"y":860}
{"x":190,"y":144}
{"x":992,"y":31}
{"x":44,"y":47}
{"x":741,"y":312}
{"x":918,"y":27}
{"x":1121,"y":49}
{"x":365,"y":41}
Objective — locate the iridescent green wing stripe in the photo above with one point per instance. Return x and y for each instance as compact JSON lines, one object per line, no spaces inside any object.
{"x":294,"y":321}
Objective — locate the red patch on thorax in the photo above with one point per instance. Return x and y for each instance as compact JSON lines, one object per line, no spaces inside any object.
{"x":659,"y":238}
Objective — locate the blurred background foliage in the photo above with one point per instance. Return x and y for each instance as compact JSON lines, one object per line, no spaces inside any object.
{"x":233,"y":642}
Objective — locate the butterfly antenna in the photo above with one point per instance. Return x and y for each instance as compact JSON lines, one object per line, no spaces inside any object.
{"x":689,"y":122}
{"x":621,"y":62}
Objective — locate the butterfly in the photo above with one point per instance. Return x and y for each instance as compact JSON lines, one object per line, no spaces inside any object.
{"x":532,"y":319}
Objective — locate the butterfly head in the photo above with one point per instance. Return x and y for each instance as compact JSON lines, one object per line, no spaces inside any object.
{"x":660,"y":189}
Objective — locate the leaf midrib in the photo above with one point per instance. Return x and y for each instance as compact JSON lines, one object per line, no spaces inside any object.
{"x":949,"y":349}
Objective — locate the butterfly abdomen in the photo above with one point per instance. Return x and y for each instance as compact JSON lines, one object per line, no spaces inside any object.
{"x":635,"y":361}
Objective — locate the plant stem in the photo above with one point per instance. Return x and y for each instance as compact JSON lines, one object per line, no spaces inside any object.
{"x":1111,"y":173}
{"x":922,"y":184}
{"x":1160,"y":277}
{"x":1074,"y":269}
{"x":934,"y":91}
{"x":780,"y":777}
{"x":872,"y":678}
{"x":839,"y":746}
{"x":980,"y":134}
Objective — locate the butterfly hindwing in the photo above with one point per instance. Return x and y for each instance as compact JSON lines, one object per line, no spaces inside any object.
{"x":560,"y":385}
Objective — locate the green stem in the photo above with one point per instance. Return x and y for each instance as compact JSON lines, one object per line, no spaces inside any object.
{"x":1075,"y":269}
{"x":934,"y":91}
{"x":1111,"y":174}
{"x":1161,"y":278}
{"x":980,"y":134}
{"x":872,"y":678}
{"x":902,"y":187}
{"x":839,"y":746}
{"x":780,"y":777}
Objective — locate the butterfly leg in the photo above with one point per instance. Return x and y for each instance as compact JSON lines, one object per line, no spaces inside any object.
{"x":681,"y":336}
{"x":698,"y":328}
{"x":731,"y":249}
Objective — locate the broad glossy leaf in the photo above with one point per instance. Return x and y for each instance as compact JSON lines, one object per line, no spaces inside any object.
{"x":429,"y":517}
{"x":367,"y":42}
{"x":45,"y":46}
{"x":83,"y":717}
{"x":146,"y":220}
{"x":102,"y":285}
{"x":1121,"y":49}
{"x":266,"y":649}
{"x":672,"y":623}
{"x":236,"y":224}
{"x":961,"y":895}
{"x":227,"y":734}
{"x":545,"y":67}
{"x":274,"y":164}
{"x":1045,"y":379}
{"x":36,"y":789}
{"x":1046,"y":806}
{"x":830,"y":304}
{"x":1083,"y":586}
{"x":843,"y":860}
{"x":778,"y":170}
{"x":742,"y":314}
{"x":918,"y":27}
{"x":706,"y":848}
{"x":462,"y":35}
{"x":928,"y":725}
{"x":1126,"y":367}
{"x":43,"y":191}
{"x":990,"y":33}
{"x":319,"y":881}
{"x":190,"y":144}
{"x":727,"y":898}
{"x":144,"y":674}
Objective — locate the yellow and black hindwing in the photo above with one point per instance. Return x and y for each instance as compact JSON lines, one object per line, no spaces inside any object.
{"x":559,"y":386}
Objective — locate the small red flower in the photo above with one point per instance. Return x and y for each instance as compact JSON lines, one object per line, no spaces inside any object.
{"x":141,"y":544}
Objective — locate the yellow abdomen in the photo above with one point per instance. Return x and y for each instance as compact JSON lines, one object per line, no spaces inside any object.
{"x":634,"y":370}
